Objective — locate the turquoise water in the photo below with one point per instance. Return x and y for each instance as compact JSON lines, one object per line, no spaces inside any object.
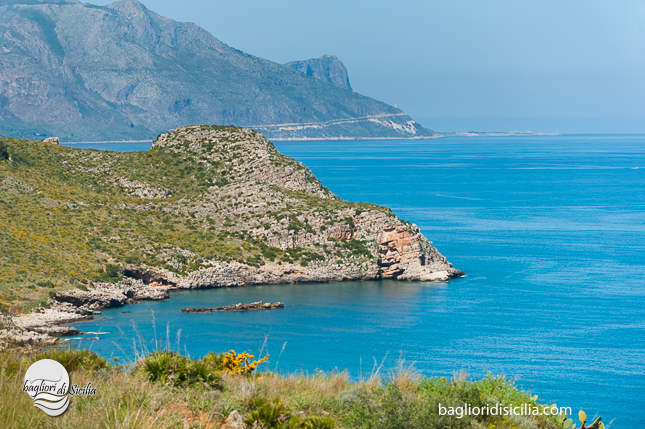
{"x":550,"y":230}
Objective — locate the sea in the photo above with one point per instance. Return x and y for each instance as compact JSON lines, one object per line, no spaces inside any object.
{"x":550,"y":231}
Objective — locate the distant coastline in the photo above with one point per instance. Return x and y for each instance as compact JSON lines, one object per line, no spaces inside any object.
{"x":112,"y":142}
{"x":433,"y":137}
{"x":498,"y":134}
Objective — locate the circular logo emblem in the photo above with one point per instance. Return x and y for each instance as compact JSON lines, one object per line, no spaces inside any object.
{"x":47,"y":382}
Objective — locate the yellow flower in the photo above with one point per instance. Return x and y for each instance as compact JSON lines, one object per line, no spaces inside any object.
{"x":236,"y":364}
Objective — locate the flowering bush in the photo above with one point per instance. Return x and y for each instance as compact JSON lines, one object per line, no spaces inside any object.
{"x":236,"y":364}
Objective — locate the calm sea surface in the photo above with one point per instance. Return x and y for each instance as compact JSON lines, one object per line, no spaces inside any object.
{"x":550,"y":231}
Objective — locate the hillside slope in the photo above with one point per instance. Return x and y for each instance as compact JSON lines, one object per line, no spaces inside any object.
{"x":122,"y":72}
{"x":206,"y":207}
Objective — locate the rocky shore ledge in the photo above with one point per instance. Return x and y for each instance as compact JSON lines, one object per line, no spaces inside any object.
{"x":42,"y":328}
{"x":404,"y":255}
{"x":254,"y":306}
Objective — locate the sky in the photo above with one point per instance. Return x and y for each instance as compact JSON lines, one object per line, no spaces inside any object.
{"x":569,"y":66}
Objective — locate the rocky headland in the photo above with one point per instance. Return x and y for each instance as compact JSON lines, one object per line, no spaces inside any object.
{"x":205,"y":207}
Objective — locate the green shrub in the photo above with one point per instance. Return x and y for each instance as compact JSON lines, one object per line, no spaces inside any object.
{"x":45,"y":284}
{"x":389,"y":407}
{"x":110,"y":275}
{"x":221,"y":182}
{"x":319,"y":423}
{"x":357,"y":248}
{"x":268,"y":415}
{"x":269,"y":254}
{"x":4,"y":308}
{"x":73,"y":360}
{"x":213,"y":360}
{"x":176,"y":370}
{"x":4,"y":151}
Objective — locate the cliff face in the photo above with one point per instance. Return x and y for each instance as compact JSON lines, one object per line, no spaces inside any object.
{"x":328,"y":68}
{"x":367,"y":243}
{"x":122,"y":72}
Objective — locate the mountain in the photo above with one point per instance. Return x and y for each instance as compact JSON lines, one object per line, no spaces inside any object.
{"x":328,"y":68}
{"x":122,"y":72}
{"x":207,"y":206}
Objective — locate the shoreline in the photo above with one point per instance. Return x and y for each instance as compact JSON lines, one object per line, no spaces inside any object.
{"x":48,"y":326}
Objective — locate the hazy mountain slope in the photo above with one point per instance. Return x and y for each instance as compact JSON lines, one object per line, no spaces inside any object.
{"x":121,"y":72}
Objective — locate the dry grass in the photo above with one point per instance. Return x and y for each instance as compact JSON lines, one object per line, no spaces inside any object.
{"x":126,"y":399}
{"x":123,"y":401}
{"x":316,"y":395}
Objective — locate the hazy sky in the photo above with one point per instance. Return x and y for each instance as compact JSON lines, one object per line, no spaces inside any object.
{"x":458,"y":65}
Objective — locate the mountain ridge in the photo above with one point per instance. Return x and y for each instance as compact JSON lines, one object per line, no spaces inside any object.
{"x":124,"y":72}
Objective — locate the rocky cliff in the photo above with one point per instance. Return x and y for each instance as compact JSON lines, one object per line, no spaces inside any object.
{"x":328,"y":68}
{"x":122,"y":72}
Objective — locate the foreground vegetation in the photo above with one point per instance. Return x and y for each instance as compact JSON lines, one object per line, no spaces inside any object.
{"x":167,"y":390}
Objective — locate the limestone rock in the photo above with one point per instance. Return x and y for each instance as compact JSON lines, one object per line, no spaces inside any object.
{"x":40,"y":322}
{"x":254,"y":306}
{"x":12,"y":335}
{"x":106,"y":295}
{"x":58,"y":331}
{"x":233,"y":421}
{"x":52,"y":140}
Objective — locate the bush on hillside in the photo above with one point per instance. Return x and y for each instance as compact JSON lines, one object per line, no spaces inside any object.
{"x":239,"y":364}
{"x":111,"y":274}
{"x":72,"y":360}
{"x":176,"y":370}
{"x":4,"y":151}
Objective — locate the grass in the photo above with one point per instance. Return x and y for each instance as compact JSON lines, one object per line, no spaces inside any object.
{"x":128,"y":397}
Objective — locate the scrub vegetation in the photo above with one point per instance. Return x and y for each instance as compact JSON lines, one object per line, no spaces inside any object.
{"x":166,"y":390}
